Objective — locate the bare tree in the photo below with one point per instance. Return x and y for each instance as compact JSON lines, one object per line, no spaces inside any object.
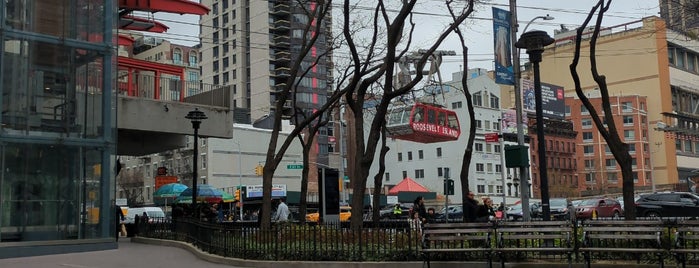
{"x":468,"y":151}
{"x":131,"y":182}
{"x":398,"y":26}
{"x":617,"y":146}
{"x":307,"y":143}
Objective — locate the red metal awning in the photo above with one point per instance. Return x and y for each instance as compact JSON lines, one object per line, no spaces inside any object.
{"x":125,"y":40}
{"x":408,"y":185}
{"x":141,"y":24}
{"x":169,"y":6}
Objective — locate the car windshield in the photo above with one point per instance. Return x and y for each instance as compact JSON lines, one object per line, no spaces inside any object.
{"x":589,"y":202}
{"x":558,"y":203}
{"x":155,"y":214}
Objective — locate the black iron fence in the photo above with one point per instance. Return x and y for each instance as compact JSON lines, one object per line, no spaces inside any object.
{"x":387,"y":241}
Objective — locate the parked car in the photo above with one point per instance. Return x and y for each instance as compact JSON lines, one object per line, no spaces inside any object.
{"x":514,"y":213}
{"x":669,"y":204}
{"x":558,"y":208}
{"x":456,"y":213}
{"x":345,"y":215}
{"x":604,"y":207}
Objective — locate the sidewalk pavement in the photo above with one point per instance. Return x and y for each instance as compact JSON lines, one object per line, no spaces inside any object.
{"x":156,"y":253}
{"x":129,"y":254}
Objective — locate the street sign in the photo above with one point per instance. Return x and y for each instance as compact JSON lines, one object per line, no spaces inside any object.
{"x":491,"y":137}
{"x":294,"y":166}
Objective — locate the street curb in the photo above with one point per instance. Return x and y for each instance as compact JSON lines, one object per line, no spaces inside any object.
{"x":330,"y":264}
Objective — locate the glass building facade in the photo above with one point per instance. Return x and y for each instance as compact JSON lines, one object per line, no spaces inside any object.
{"x":57,"y":126}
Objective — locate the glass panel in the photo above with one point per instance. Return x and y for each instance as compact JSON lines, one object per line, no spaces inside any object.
{"x":51,"y":89}
{"x":45,"y":188}
{"x":81,"y":20}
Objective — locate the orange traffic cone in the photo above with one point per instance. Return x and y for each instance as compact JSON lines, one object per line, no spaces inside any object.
{"x":594,"y":214}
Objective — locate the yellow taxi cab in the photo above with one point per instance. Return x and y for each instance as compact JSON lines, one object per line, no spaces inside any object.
{"x":345,"y":214}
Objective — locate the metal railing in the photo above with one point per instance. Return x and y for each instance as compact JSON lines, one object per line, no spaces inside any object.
{"x":171,"y":88}
{"x":387,"y":241}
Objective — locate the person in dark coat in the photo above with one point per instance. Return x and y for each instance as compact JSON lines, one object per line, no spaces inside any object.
{"x":419,"y":208}
{"x":470,"y":208}
{"x":485,"y":211}
{"x":119,"y":218}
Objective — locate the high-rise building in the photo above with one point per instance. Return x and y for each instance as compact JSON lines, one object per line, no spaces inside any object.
{"x":250,"y":46}
{"x":680,"y":15}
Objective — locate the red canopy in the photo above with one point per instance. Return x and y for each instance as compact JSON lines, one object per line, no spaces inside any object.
{"x":407,"y":185}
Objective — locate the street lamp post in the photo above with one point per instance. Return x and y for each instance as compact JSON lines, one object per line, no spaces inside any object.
{"x":196,"y":117}
{"x":240,"y":180}
{"x":523,"y":174}
{"x":534,"y":42}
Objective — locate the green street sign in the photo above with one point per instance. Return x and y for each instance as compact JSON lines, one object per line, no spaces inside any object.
{"x":295,"y":166}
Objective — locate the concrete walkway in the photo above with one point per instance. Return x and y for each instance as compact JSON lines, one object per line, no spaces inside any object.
{"x":156,"y":253}
{"x":129,"y":254}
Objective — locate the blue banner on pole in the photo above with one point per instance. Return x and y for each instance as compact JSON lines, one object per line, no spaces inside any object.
{"x":504,"y":73}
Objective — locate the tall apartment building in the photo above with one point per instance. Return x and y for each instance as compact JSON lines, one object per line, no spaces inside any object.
{"x":599,"y":172}
{"x":250,"y":46}
{"x":647,"y":59}
{"x":680,"y":15}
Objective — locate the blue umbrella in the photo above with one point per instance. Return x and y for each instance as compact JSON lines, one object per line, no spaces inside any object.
{"x":167,"y":192}
{"x":205,"y":192}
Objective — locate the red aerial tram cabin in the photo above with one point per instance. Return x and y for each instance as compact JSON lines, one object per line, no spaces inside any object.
{"x":423,"y":122}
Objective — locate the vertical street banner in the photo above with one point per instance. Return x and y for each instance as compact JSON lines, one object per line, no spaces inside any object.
{"x":504,"y":72}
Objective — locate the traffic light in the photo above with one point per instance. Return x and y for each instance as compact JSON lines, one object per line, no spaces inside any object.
{"x":258,"y":170}
{"x":448,"y":187}
{"x":237,"y":195}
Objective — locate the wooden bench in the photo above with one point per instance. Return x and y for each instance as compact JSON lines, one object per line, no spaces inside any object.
{"x":456,"y":237}
{"x":637,"y":237}
{"x":686,"y":241}
{"x":544,"y":237}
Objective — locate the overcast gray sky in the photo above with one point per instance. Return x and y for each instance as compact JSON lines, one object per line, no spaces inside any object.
{"x":184,"y":29}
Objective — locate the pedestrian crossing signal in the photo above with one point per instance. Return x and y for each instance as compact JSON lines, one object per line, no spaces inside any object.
{"x":237,"y":195}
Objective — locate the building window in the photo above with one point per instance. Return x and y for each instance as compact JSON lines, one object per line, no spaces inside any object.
{"x":193,"y":60}
{"x":400,"y":157}
{"x":439,"y":151}
{"x":626,"y":107}
{"x":587,"y":136}
{"x":590,"y":178}
{"x":589,"y":164}
{"x":419,"y":173}
{"x":589,"y":149}
{"x":405,"y":174}
{"x":480,"y":189}
{"x":586,"y":123}
{"x":628,"y":120}
{"x":610,"y":163}
{"x":497,"y":148}
{"x":479,"y":124}
{"x":489,"y":167}
{"x":488,"y":148}
{"x":567,"y":110}
{"x":410,"y":156}
{"x":456,"y":105}
{"x":420,"y":155}
{"x":612,"y":178}
{"x":479,"y":147}
{"x":494,"y":102}
{"x":477,"y":99}
{"x":583,"y":110}
{"x":498,"y":168}
{"x":387,"y":176}
{"x":439,"y":172}
{"x":629,"y":135}
{"x":480,"y":167}
{"x":177,"y":56}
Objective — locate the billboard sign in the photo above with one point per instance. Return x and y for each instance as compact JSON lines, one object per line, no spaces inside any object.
{"x":509,"y":122}
{"x":552,"y":99}
{"x":253,"y":191}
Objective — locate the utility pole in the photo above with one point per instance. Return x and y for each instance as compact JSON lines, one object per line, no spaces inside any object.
{"x":523,"y":173}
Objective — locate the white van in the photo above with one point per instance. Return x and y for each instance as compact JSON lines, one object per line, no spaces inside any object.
{"x":152,"y":212}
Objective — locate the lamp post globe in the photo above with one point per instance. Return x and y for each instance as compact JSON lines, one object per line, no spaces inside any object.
{"x":196,"y":117}
{"x":534,"y":42}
